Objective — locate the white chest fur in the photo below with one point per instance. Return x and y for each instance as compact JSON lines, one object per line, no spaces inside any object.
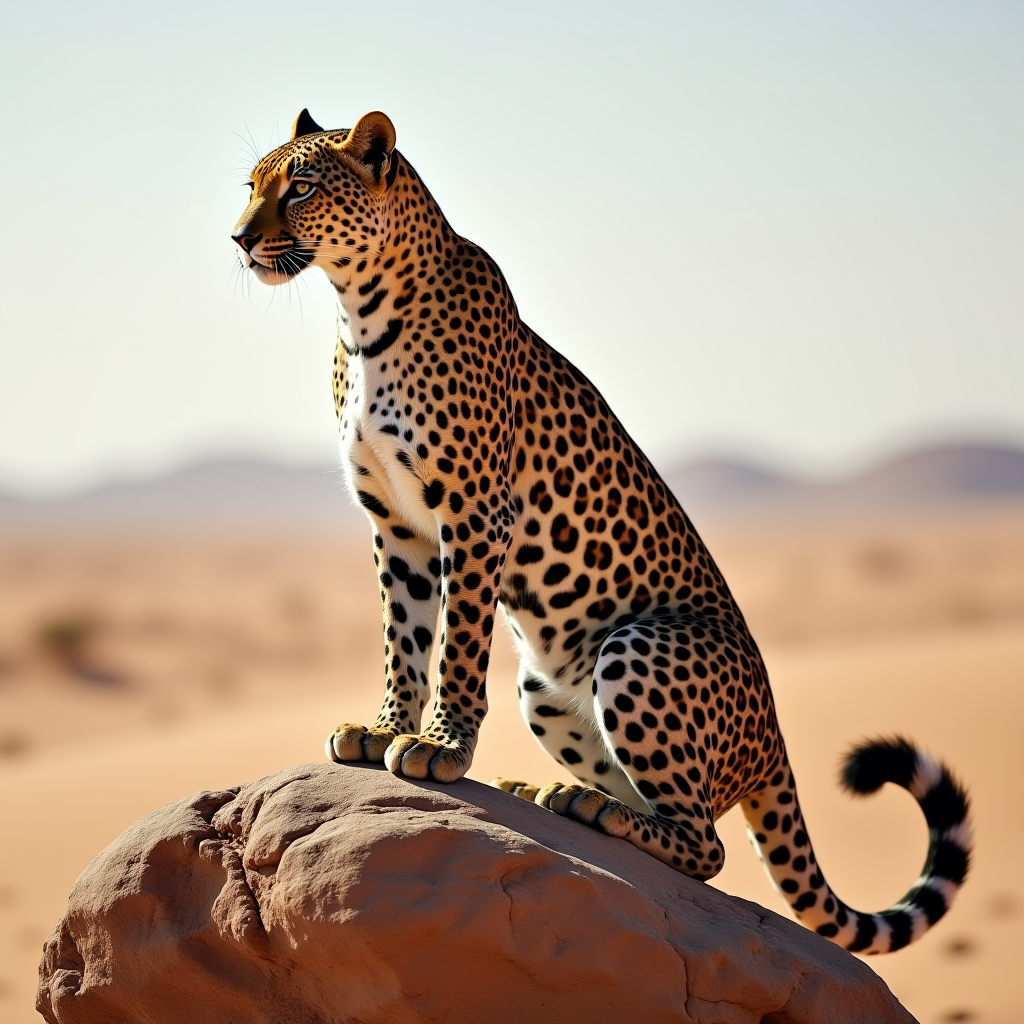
{"x":378,"y":449}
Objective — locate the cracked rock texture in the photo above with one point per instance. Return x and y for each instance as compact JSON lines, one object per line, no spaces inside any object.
{"x":333,"y":894}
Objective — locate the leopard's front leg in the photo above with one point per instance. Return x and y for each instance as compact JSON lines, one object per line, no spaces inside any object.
{"x":409,"y":571}
{"x":475,"y":535}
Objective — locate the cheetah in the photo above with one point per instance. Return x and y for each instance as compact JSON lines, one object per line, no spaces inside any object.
{"x":492,"y":470}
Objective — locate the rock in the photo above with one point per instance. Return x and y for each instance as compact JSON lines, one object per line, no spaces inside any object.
{"x":330,"y":894}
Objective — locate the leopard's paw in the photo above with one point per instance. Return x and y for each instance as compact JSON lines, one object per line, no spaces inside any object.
{"x":419,"y":757}
{"x":589,"y":806}
{"x":357,"y":743}
{"x":516,"y":787}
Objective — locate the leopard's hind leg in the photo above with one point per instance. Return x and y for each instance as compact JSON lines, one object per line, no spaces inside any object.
{"x":670,"y":699}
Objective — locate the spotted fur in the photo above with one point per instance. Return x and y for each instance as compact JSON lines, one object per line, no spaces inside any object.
{"x":491,"y":469}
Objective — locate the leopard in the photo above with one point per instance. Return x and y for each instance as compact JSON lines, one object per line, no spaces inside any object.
{"x":493,"y":472}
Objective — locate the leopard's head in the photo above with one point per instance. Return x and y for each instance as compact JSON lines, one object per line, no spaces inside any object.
{"x":320,"y":199}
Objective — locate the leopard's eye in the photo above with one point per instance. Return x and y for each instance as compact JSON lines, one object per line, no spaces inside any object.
{"x":301,"y":189}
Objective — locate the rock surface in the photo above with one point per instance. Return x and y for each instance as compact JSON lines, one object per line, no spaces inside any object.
{"x":334,"y":894}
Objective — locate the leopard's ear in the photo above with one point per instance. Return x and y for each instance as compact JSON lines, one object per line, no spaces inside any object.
{"x":371,"y":142}
{"x":304,"y":125}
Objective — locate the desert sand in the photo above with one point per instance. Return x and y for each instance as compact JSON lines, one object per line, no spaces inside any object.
{"x":136,"y":668}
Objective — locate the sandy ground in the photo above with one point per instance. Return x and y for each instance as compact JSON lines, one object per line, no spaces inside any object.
{"x":137,"y":669}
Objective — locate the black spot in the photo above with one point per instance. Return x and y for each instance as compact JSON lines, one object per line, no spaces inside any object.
{"x":614,"y":670}
{"x":372,"y":504}
{"x":611,"y":720}
{"x":563,"y":536}
{"x":556,"y":573}
{"x":367,"y":286}
{"x":808,"y":899}
{"x":780,"y":855}
{"x":373,"y":304}
{"x":570,"y":756}
{"x":433,"y":494}
{"x":420,"y":588}
{"x":546,"y":711}
{"x":528,"y":554}
{"x":537,"y":730}
{"x":422,"y":636}
{"x":565,"y":598}
{"x":385,"y":341}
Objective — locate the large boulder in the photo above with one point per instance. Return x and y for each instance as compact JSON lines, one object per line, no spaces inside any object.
{"x":333,"y":894}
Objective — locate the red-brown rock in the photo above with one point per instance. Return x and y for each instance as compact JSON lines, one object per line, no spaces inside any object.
{"x":334,"y":894}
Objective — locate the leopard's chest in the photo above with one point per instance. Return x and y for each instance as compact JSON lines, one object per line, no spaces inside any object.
{"x":378,"y":444}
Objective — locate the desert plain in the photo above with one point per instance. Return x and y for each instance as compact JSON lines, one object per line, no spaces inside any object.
{"x":140,"y":664}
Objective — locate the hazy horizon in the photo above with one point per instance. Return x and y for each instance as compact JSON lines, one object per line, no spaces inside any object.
{"x":788,"y":235}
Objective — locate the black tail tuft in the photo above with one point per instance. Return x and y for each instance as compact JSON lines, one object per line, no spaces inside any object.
{"x":869,"y":765}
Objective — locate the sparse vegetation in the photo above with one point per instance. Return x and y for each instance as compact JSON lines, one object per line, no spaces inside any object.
{"x":68,"y":640}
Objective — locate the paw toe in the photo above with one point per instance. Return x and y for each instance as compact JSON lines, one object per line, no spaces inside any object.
{"x":357,"y":743}
{"x":586,"y":806}
{"x":448,"y":765}
{"x":517,"y":787}
{"x":396,"y":751}
{"x":417,"y":757}
{"x":561,"y":801}
{"x":615,"y":819}
{"x":346,"y":743}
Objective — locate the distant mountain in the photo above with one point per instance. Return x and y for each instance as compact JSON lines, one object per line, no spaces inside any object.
{"x":238,"y":492}
{"x":253,"y":494}
{"x":936,"y":477}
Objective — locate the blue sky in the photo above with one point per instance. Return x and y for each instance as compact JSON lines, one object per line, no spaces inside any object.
{"x":788,"y":232}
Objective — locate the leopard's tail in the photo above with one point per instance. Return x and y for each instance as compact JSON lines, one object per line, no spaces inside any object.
{"x":779,"y":833}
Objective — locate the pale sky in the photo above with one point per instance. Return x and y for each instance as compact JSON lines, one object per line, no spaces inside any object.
{"x":787,"y":232}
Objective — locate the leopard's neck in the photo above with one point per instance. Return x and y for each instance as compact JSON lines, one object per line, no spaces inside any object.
{"x":378,"y":292}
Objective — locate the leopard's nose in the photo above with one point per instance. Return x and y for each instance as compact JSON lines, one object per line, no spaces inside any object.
{"x":246,"y":242}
